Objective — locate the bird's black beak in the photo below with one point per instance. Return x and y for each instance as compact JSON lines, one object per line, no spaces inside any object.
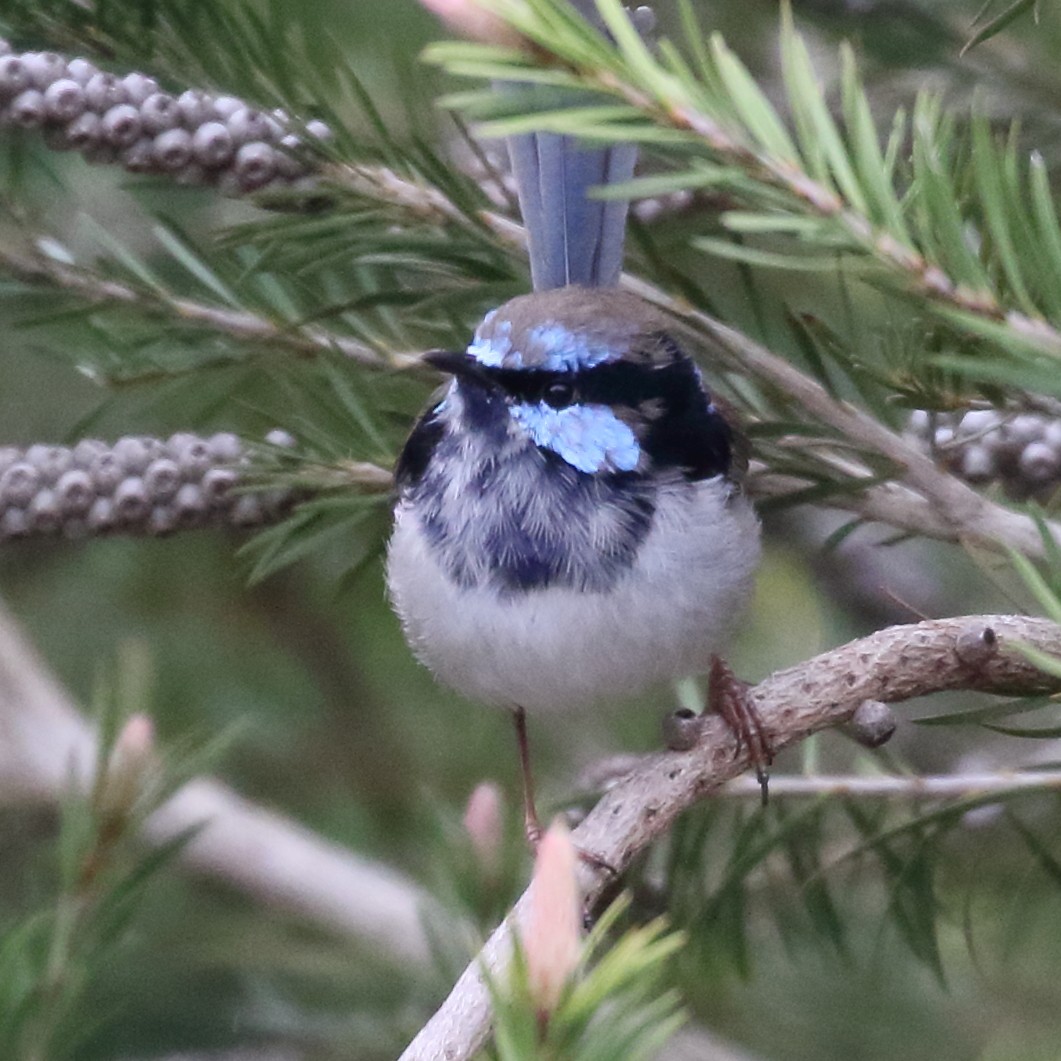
{"x":458,"y":364}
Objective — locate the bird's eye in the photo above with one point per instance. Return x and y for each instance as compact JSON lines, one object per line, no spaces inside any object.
{"x":559,"y":394}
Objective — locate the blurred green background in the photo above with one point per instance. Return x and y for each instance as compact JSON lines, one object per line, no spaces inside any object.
{"x":338,"y":727}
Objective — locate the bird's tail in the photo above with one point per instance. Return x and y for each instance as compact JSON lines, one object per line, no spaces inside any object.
{"x":572,"y":238}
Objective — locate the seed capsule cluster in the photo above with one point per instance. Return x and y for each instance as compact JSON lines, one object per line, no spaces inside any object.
{"x":195,"y":137}
{"x":137,"y":485}
{"x":1019,"y":450}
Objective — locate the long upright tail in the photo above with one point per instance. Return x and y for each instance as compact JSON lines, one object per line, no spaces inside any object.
{"x":573,"y":239}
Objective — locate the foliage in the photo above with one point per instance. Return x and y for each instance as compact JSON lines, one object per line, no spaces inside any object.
{"x":898,"y":254}
{"x":48,"y":962}
{"x":613,"y":1008}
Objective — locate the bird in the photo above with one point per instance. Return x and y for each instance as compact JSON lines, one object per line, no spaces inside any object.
{"x":570,"y":524}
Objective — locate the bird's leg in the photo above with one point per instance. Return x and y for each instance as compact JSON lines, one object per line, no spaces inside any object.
{"x":728,"y":698}
{"x":532,"y":826}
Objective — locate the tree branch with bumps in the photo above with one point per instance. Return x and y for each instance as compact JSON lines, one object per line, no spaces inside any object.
{"x":982,"y":653}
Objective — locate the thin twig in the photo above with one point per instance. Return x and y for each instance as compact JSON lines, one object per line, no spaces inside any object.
{"x":891,"y":665}
{"x":238,"y":324}
{"x":958,"y":786}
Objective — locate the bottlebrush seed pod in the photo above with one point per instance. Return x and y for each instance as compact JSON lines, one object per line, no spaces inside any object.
{"x":212,"y":145}
{"x":44,"y":511}
{"x":121,"y":125}
{"x":64,"y":100}
{"x":189,"y":504}
{"x":87,"y":450}
{"x":279,"y":437}
{"x":75,"y":491}
{"x":162,"y":477}
{"x":255,"y":165}
{"x":225,"y":446}
{"x":106,"y":471}
{"x":50,"y":461}
{"x":247,"y":125}
{"x":131,"y":501}
{"x":288,"y":163}
{"x":101,"y":515}
{"x":226,"y":106}
{"x":27,"y":109}
{"x":19,"y":483}
{"x":1039,"y":462}
{"x":139,"y":156}
{"x":163,"y":520}
{"x":104,"y":91}
{"x":44,"y":68}
{"x":193,"y":458}
{"x":132,"y":453}
{"x":978,"y":464}
{"x":14,"y":77}
{"x":84,"y":131}
{"x":173,"y":149}
{"x":217,"y":483}
{"x":14,"y":523}
{"x":195,"y":107}
{"x":159,"y":112}
{"x":1022,"y":429}
{"x":81,"y":71}
{"x":978,"y":422}
{"x":138,"y":87}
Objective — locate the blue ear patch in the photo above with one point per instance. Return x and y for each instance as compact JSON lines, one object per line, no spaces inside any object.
{"x":590,"y":438}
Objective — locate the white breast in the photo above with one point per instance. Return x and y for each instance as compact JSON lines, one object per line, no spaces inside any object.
{"x":553,"y":648}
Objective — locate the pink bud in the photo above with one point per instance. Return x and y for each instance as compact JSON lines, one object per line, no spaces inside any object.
{"x":484,"y":823}
{"x":552,"y":931}
{"x":471,"y":19}
{"x":130,"y":762}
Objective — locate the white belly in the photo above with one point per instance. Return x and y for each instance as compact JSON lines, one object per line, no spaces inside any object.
{"x":553,"y":648}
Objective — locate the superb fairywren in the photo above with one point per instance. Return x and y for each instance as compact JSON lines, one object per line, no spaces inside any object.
{"x":570,"y":524}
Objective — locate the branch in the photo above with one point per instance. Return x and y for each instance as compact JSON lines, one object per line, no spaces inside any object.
{"x":45,"y":743}
{"x":892,"y":665}
{"x":304,"y":340}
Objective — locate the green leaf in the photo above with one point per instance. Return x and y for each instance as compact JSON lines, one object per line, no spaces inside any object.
{"x":751,"y":104}
{"x":999,"y":23}
{"x":739,"y":252}
{"x":1048,"y":600}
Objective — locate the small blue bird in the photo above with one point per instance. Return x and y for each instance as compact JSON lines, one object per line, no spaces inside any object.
{"x":570,"y":525}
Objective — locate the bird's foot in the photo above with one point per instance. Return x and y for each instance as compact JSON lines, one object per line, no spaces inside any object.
{"x":729,"y":699}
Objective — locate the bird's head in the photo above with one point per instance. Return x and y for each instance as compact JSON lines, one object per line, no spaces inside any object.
{"x":592,"y":376}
